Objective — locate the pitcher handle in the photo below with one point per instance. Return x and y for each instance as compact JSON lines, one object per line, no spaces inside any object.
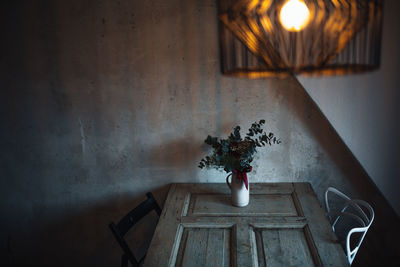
{"x":227,"y":181}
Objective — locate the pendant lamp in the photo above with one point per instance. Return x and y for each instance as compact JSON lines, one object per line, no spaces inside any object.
{"x":262,"y":38}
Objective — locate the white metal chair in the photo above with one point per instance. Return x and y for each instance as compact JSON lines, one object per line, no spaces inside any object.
{"x":354,"y":209}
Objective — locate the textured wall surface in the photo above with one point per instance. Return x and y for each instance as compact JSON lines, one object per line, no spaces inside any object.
{"x":364,"y":110}
{"x":102,"y":101}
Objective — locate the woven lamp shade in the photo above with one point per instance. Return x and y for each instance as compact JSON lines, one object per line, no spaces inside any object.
{"x":339,"y":37}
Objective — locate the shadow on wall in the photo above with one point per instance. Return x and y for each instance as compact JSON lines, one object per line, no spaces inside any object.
{"x":379,"y":247}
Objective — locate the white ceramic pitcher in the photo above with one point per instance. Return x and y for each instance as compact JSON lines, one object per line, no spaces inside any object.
{"x":239,"y":192}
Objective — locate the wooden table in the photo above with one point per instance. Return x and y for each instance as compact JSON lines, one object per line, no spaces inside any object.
{"x":284,"y":225}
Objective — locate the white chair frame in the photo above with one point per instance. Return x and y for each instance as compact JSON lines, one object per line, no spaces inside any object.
{"x":362,"y":218}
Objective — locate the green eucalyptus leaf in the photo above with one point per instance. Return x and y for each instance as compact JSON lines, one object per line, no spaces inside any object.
{"x":234,"y":152}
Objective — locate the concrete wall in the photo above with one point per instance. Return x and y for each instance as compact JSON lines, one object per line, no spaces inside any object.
{"x":365,"y":110}
{"x":102,"y":101}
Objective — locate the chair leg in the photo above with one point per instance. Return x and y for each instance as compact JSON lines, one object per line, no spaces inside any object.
{"x":142,"y":260}
{"x":124,"y":261}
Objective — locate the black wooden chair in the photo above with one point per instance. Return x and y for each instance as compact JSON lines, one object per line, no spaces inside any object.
{"x":122,"y":227}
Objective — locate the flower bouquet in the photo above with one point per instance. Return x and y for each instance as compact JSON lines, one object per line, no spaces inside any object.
{"x":235,"y":153}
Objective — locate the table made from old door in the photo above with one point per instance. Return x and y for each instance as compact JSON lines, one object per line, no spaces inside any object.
{"x":283,"y":225}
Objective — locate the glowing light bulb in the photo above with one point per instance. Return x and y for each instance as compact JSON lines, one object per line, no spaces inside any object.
{"x":294,"y":15}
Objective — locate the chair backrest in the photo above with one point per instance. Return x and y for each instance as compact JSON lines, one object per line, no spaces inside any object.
{"x":358,"y":210}
{"x":122,"y":227}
